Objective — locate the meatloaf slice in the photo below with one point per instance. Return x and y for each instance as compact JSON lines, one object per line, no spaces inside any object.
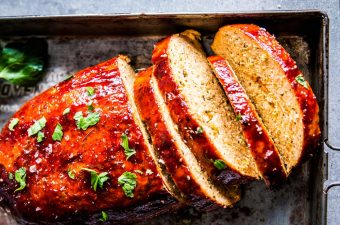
{"x":170,"y":149}
{"x":200,"y":109}
{"x":265,"y":153}
{"x":128,"y":77}
{"x":271,"y":78}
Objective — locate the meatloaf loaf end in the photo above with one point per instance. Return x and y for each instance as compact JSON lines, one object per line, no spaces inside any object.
{"x":78,"y":149}
{"x":171,"y":150}
{"x":283,"y":98}
{"x":200,"y":109}
{"x":265,"y":154}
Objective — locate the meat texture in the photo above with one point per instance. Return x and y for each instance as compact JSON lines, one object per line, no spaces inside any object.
{"x":263,"y":149}
{"x":181,"y":164}
{"x":283,"y":98}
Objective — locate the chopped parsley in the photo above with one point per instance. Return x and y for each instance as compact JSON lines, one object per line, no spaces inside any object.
{"x":238,"y":117}
{"x":219,"y":164}
{"x":10,"y":176}
{"x":13,"y":123}
{"x":20,"y":177}
{"x":90,"y":107}
{"x":58,"y":133}
{"x":128,"y":181}
{"x":139,"y":171}
{"x":90,"y":91}
{"x":199,"y":130}
{"x":37,"y":126}
{"x":66,"y":111}
{"x":301,"y":80}
{"x":71,"y":174}
{"x":40,"y":136}
{"x":104,"y":217}
{"x":97,"y":179}
{"x":125,"y":144}
{"x":84,"y":122}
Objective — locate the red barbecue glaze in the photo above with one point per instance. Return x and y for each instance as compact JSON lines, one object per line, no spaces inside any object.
{"x":50,"y":193}
{"x":264,"y":152}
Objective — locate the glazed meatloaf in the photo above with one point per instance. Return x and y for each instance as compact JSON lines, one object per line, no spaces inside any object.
{"x":171,"y":150}
{"x":200,"y":109}
{"x":263,"y":149}
{"x":79,"y":149}
{"x":283,"y":98}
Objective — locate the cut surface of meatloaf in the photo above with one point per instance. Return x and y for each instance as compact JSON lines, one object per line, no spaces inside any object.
{"x":199,"y":107}
{"x":82,"y":167}
{"x":170,"y":149}
{"x":271,"y":78}
{"x":266,"y":155}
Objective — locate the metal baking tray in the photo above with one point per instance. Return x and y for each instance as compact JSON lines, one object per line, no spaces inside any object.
{"x":76,"y":42}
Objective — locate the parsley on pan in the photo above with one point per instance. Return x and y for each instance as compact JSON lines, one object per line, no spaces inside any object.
{"x":301,"y":80}
{"x":20,"y":177}
{"x":128,"y":181}
{"x":219,"y":164}
{"x":22,"y":63}
{"x":125,"y":144}
{"x":13,"y":123}
{"x":97,"y":179}
{"x":104,"y":217}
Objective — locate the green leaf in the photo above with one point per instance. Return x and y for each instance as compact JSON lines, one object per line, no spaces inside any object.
{"x":125,"y":144}
{"x":37,"y":126}
{"x":104,"y":217}
{"x":66,"y":111}
{"x":20,"y":177}
{"x":13,"y":123}
{"x":40,"y":136}
{"x":71,"y":174}
{"x":238,"y":117}
{"x":97,"y":179}
{"x":199,"y":130}
{"x":219,"y":164}
{"x":128,"y":181}
{"x":58,"y":133}
{"x":301,"y":80}
{"x":85,"y":122}
{"x":90,"y":106}
{"x":22,"y":63}
{"x":90,"y":91}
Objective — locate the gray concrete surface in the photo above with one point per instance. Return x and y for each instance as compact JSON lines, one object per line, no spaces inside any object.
{"x":331,"y":7}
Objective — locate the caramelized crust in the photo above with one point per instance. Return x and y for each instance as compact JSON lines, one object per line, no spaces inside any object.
{"x":50,"y":194}
{"x":266,"y":155}
{"x":198,"y":142}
